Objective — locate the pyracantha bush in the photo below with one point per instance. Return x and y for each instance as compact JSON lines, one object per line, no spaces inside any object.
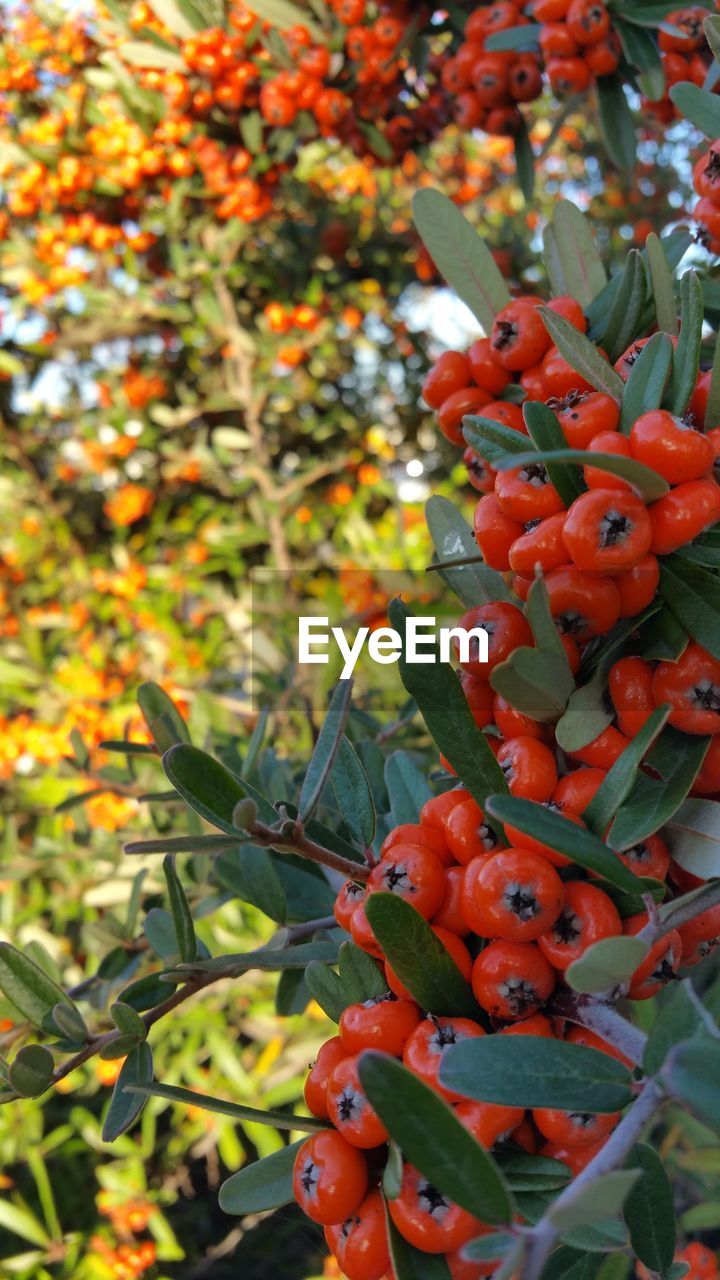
{"x":482,"y":1105}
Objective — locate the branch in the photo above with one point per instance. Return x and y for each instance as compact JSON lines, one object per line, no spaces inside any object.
{"x":542,"y":1238}
{"x":604,"y":1020}
{"x":688,"y":908}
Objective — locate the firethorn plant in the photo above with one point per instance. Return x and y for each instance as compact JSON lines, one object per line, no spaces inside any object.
{"x":487,"y":949}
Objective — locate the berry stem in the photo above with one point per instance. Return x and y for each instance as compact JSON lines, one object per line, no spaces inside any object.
{"x":604,"y":1020}
{"x":685,"y":911}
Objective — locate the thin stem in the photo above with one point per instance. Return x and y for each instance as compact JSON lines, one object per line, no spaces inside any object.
{"x":604,"y":1020}
{"x":543,"y":1237}
{"x":682,"y":914}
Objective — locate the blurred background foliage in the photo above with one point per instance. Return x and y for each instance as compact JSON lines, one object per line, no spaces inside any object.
{"x":184,"y":398}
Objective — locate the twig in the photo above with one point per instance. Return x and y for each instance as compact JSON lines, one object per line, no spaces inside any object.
{"x":542,"y":1238}
{"x":604,"y":1020}
{"x":682,"y":914}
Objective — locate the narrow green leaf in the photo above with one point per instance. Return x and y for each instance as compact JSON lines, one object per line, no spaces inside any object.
{"x":712,"y":410}
{"x":602,"y":1199}
{"x":663,"y":287}
{"x":125,"y":1107}
{"x":181,"y":914}
{"x":252,"y":874}
{"x":491,"y":440}
{"x":207,"y":786}
{"x":583,"y":355}
{"x":649,"y":1211}
{"x":274,"y":1119}
{"x":440,"y":698}
{"x":691,"y":592}
{"x":265,"y":1184}
{"x":519,"y":39}
{"x":581,"y":270}
{"x":570,"y":1264}
{"x":453,"y":539}
{"x":698,"y":106}
{"x":618,"y":784}
{"x":353,"y":794}
{"x":645,"y":387}
{"x":460,"y":255}
{"x":419,"y":959}
{"x":433,"y":1140}
{"x":617,"y":124}
{"x":686,"y":360}
{"x":648,"y":483}
{"x":325,"y":986}
{"x":161,"y":716}
{"x":30,"y":1072}
{"x":524,"y":160}
{"x":693,"y":837}
{"x":29,"y":988}
{"x":663,"y":639}
{"x":536,"y":682}
{"x":677,"y":1019}
{"x":533,"y":1173}
{"x":628,"y":306}
{"x":537,"y":611}
{"x":691,"y":1076}
{"x":567,"y":1076}
{"x":393,"y":1172}
{"x":361,"y":976}
{"x":554,"y":830}
{"x":587,"y":713}
{"x":326,"y":749}
{"x":547,"y":436}
{"x":407,"y":787}
{"x":653,"y":802}
{"x":643,"y":55}
{"x":606,"y":964}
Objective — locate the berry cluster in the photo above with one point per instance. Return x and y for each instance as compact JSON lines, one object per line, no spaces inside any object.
{"x":685,"y":55}
{"x":486,"y":87}
{"x":578,"y":43}
{"x":512,"y":919}
{"x":706,"y":180}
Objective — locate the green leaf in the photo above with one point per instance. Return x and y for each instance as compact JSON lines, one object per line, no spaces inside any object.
{"x":460,"y":255}
{"x":419,"y":959}
{"x":698,"y":106}
{"x":265,"y":1184}
{"x":21,"y":1222}
{"x":490,"y":1248}
{"x":642,"y":53}
{"x":251,"y":874}
{"x":599,"y":1200}
{"x":606,"y":964}
{"x":535,"y":682}
{"x":361,"y":977}
{"x":677,"y":1019}
{"x":410,"y":1264}
{"x":283,"y":14}
{"x":567,"y":1076}
{"x":616,"y":787}
{"x":125,"y":1107}
{"x":587,"y":713}
{"x":433,"y":1140}
{"x":440,"y":698}
{"x":644,"y":480}
{"x":31,"y":1071}
{"x":207,"y":786}
{"x":353,"y":794}
{"x":617,"y":124}
{"x":663,"y":286}
{"x":175,"y":20}
{"x":649,"y":1211}
{"x":181,"y":914}
{"x":453,"y":540}
{"x":570,"y":1264}
{"x":70,"y":1022}
{"x":533,"y":1173}
{"x":520,"y":39}
{"x":573,"y":262}
{"x":326,"y":749}
{"x":325,"y":986}
{"x":675,"y":245}
{"x":393,"y":1172}
{"x":628,"y":306}
{"x":663,"y":637}
{"x":645,"y":387}
{"x":128,"y":1020}
{"x":542,"y":623}
{"x":678,"y":758}
{"x":491,"y":440}
{"x":712,"y":411}
{"x":407,"y":787}
{"x":691,"y":1075}
{"x":144,"y":53}
{"x":29,"y":988}
{"x":691,"y":592}
{"x":274,"y":1119}
{"x":583,"y":355}
{"x":524,"y":160}
{"x":686,"y":360}
{"x":693,"y":837}
{"x":552,"y":829}
{"x":547,"y":436}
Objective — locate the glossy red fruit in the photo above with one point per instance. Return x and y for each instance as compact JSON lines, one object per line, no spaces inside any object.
{"x":350,"y":896}
{"x":604,"y":750}
{"x":413,"y":873}
{"x":588,"y":1038}
{"x":576,"y":1158}
{"x":468,"y":835}
{"x":582,"y":605}
{"x":692,"y":688}
{"x":384,"y":1023}
{"x":360,"y":1244}
{"x":588,"y":915}
{"x":329,"y":1056}
{"x":426,"y":1218}
{"x":638,"y":586}
{"x":506,"y":628}
{"x":526,"y":493}
{"x":700,"y":937}
{"x":453,"y":945}
{"x":426,"y":1047}
{"x":659,"y":967}
{"x":541,"y":546}
{"x":330,"y":1179}
{"x":450,"y":915}
{"x":606,"y":531}
{"x":515,"y":895}
{"x":576,"y":790}
{"x":671,"y":446}
{"x":650,"y":857}
{"x":495,"y":533}
{"x":584,"y":415}
{"x":607,"y":442}
{"x":683,"y":513}
{"x":436,"y":810}
{"x":574,"y":1128}
{"x":519,"y":338}
{"x":630,"y":685}
{"x":487,"y":1122}
{"x":349,"y":1109}
{"x":417,"y":834}
{"x":479,"y":697}
{"x":486,"y":371}
{"x":529,"y":768}
{"x":466,"y":401}
{"x":512,"y":979}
